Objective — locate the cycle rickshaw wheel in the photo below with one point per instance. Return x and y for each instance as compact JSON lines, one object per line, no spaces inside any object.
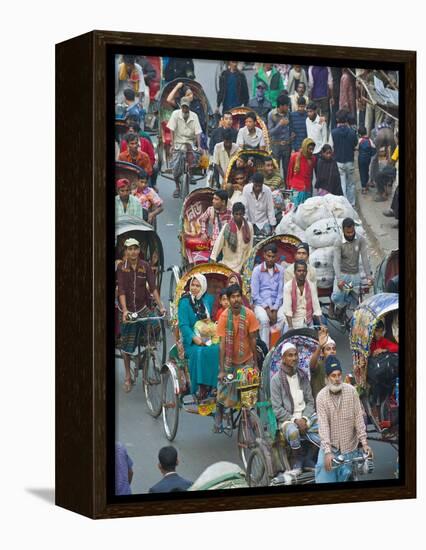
{"x":257,"y":471}
{"x":249,"y":430}
{"x":170,"y":405}
{"x":151,"y":378}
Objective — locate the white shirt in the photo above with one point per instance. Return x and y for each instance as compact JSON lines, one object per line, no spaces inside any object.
{"x":299,"y":317}
{"x":259,"y":210}
{"x":250,"y":141}
{"x":185,"y":131}
{"x":221,"y":157}
{"x":233,"y":260}
{"x":317,"y":131}
{"x":297,"y":395}
{"x":237,"y":196}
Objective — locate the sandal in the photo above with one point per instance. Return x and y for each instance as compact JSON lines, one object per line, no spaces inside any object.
{"x":127,"y":386}
{"x":176,"y":193}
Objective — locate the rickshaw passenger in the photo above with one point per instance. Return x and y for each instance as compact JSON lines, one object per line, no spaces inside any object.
{"x":194,"y":103}
{"x":267,"y":292}
{"x":125,"y":202}
{"x":260,"y":206}
{"x":235,"y":240}
{"x":326,"y":347}
{"x":148,"y":197}
{"x":380,"y":344}
{"x":237,"y":328}
{"x":217,"y":135}
{"x":293,"y":406}
{"x":271,"y":176}
{"x":301,"y":304}
{"x":129,"y":75}
{"x":186,"y":130}
{"x":136,"y":283}
{"x":135,"y":155}
{"x":223,"y":152}
{"x":251,"y":137}
{"x":215,"y":217}
{"x":235,"y":187}
{"x":347,"y":251}
{"x":302,"y":253}
{"x":203,"y":360}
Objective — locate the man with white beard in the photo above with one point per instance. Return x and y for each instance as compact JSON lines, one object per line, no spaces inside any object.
{"x":341,"y":425}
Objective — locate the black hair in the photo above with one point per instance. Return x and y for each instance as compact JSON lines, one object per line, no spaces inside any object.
{"x":129,"y":59}
{"x":252,"y":115}
{"x":305,"y":246}
{"x":362,"y":131}
{"x":227,"y":134}
{"x":351,"y":119}
{"x":238,"y":171}
{"x":133,"y":120}
{"x":271,"y":247}
{"x":267,"y":159}
{"x":380,"y":325}
{"x":129,"y":94}
{"x":301,"y":100}
{"x":303,"y":84}
{"x":131,"y":137}
{"x":312,"y":105}
{"x":142,"y":175}
{"x":167,"y":457}
{"x":300,"y":262}
{"x":342,"y":116}
{"x":238,"y":207}
{"x":258,"y":177}
{"x":326,"y":147}
{"x":223,"y":291}
{"x":222,"y":194}
{"x":226,"y":113}
{"x":233,"y":289}
{"x":283,"y":100}
{"x":348,"y":222}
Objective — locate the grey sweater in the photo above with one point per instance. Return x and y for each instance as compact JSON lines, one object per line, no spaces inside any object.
{"x":282,"y":401}
{"x":346,"y":256}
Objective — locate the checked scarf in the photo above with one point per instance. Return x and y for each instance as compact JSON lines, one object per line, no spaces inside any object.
{"x":230,"y":234}
{"x":229,"y":337}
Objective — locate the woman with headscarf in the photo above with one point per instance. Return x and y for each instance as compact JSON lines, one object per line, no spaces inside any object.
{"x":327,"y":173}
{"x":300,"y":172}
{"x":203,"y":360}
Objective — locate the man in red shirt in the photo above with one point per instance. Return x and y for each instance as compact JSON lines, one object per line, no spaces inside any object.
{"x":134,"y":155}
{"x":380,"y":344}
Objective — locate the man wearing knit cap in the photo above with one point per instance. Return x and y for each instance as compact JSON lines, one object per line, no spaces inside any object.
{"x":293,"y":406}
{"x":341,"y":425}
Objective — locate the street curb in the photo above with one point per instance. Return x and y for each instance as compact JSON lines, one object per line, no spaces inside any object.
{"x":370,"y":233}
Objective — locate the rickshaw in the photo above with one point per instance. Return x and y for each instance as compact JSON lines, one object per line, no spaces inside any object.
{"x":238,"y":121}
{"x":177,"y":393}
{"x":220,"y":475}
{"x":194,"y":250}
{"x":151,"y":350}
{"x":386,"y":270}
{"x":377,"y":381}
{"x":241,"y":160}
{"x":269,"y":463}
{"x":164,"y":134}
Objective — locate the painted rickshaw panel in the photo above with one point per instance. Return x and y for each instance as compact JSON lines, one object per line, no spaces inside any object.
{"x":193,"y":249}
{"x":259,"y":159}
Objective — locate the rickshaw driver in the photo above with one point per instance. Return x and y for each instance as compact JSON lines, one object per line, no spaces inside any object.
{"x":340,"y":423}
{"x":185,"y":130}
{"x":347,"y":251}
{"x":293,"y":406}
{"x":136,"y":282}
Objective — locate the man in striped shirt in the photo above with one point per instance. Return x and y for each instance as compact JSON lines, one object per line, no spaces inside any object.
{"x":341,"y":425}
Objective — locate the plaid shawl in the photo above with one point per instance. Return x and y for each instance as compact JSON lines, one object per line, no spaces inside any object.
{"x":230,"y":234}
{"x":229,"y":337}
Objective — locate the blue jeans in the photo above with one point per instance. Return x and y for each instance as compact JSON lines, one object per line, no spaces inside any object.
{"x":341,"y":473}
{"x":346,"y":171}
{"x":341,"y":298}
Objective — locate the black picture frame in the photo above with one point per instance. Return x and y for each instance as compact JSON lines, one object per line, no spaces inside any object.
{"x":84,"y":465}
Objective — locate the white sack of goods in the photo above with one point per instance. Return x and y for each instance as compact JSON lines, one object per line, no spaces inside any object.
{"x":339,"y":207}
{"x":323,"y":233}
{"x":288,"y":226}
{"x":310,"y":211}
{"x":322,"y":260}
